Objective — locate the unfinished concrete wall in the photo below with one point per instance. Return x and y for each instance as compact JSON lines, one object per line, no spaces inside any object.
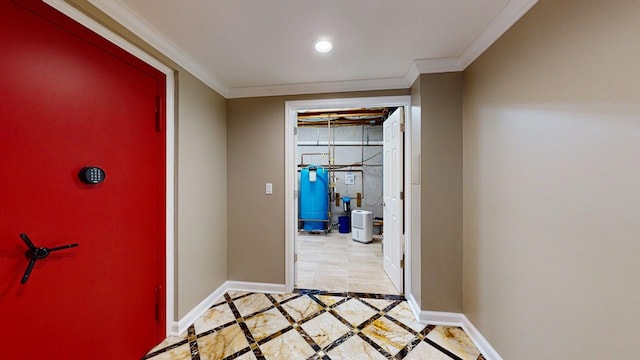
{"x":368,"y":178}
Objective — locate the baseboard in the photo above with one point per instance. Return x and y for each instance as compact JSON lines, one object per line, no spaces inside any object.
{"x":193,"y":315}
{"x":456,"y":319}
{"x":255,"y":287}
{"x":181,"y":326}
{"x":481,"y":343}
{"x":441,"y":318}
{"x":174,"y":329}
{"x":413,"y":305}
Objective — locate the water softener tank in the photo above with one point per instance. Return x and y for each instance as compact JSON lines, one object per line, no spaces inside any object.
{"x":314,"y":197}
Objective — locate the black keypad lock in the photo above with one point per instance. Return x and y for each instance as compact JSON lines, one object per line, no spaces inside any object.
{"x":92,"y":175}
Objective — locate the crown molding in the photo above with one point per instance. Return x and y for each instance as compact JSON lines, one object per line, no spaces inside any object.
{"x":509,"y":15}
{"x":432,"y":66}
{"x":123,"y":15}
{"x":319,"y":87}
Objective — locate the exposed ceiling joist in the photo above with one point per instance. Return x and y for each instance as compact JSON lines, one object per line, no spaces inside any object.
{"x":346,"y":117}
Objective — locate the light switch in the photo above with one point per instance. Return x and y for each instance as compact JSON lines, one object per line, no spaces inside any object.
{"x":268,"y":188}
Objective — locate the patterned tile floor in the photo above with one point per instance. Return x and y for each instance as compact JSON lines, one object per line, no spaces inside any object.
{"x":314,"y":324}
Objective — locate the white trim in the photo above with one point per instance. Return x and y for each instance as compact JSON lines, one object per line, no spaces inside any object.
{"x":126,"y":17}
{"x":510,"y":14}
{"x":92,"y":25}
{"x":441,"y":318}
{"x":413,"y":305}
{"x":291,"y":109}
{"x":170,"y":134}
{"x":432,"y":66}
{"x":97,"y":28}
{"x":412,"y":74}
{"x":460,"y":320}
{"x":408,"y":196}
{"x":481,"y":343}
{"x":199,"y":310}
{"x":453,"y":319}
{"x":255,"y":287}
{"x":290,"y":221}
{"x":181,"y":326}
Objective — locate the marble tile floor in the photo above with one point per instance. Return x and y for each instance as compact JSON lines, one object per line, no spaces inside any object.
{"x":314,"y":324}
{"x":335,"y":262}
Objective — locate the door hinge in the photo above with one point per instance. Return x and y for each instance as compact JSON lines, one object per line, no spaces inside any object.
{"x":401,"y":195}
{"x":402,"y":263}
{"x":158,"y":117}
{"x":295,"y":130}
{"x":402,"y":127}
{"x":295,"y":258}
{"x":158,"y":292}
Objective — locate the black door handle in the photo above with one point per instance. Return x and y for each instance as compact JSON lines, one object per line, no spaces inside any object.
{"x":35,"y":253}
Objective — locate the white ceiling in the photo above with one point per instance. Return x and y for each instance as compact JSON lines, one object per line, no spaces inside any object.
{"x":259,"y":47}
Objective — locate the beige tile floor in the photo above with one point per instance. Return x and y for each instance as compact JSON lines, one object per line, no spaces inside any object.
{"x":335,"y":262}
{"x":314,"y":324}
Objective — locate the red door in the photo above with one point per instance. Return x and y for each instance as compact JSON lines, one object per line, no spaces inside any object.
{"x":69,"y":99}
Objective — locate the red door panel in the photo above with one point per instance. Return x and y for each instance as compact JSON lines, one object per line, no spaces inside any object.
{"x":70,"y":99}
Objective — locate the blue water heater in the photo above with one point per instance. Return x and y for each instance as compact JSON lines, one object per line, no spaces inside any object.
{"x":314,"y":197}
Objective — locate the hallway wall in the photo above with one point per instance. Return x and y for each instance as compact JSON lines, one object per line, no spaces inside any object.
{"x":201,"y":199}
{"x":551,"y":200}
{"x":439,"y":193}
{"x":255,"y":144}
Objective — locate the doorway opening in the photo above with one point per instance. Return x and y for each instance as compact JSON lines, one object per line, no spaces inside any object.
{"x":335,"y":230}
{"x":340,"y":218}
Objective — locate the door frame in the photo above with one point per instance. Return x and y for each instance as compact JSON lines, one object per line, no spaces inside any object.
{"x":171,"y":323}
{"x":290,"y":180}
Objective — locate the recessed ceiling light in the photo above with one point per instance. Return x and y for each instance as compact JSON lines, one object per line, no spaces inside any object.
{"x":323,"y":46}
